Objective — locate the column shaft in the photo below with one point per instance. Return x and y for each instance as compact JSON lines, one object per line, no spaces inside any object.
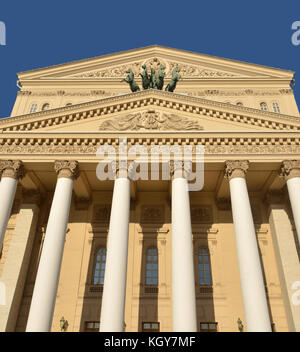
{"x":8,"y":186}
{"x":113,"y":300}
{"x":293,"y":185}
{"x":45,"y":289}
{"x":251,"y":276}
{"x":183,"y":277}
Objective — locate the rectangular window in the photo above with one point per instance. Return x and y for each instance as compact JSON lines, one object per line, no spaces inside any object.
{"x":92,"y":326}
{"x":150,"y":327}
{"x":208,"y":327}
{"x":204,"y":268}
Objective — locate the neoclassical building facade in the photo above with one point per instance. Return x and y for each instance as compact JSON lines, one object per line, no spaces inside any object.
{"x":81,"y":253}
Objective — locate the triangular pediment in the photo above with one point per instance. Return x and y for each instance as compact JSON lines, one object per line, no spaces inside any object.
{"x":150,"y":111}
{"x":192,"y":65}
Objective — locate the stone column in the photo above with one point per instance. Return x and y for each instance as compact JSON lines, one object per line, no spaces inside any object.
{"x":290,"y":169}
{"x":251,"y":276}
{"x":11,"y":170}
{"x":183,"y":276}
{"x":286,"y":255}
{"x":45,"y":288}
{"x":18,"y":259}
{"x":114,"y":290}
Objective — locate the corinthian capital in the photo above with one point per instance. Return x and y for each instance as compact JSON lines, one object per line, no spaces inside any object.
{"x":66,"y":168}
{"x":236,"y":168}
{"x":290,"y":169}
{"x":12,"y":168}
{"x":180,"y":168}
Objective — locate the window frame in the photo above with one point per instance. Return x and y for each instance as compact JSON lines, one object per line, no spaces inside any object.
{"x":208,"y":323}
{"x":31,"y":106}
{"x":210,"y":282}
{"x":157,"y":269}
{"x":150,"y":329}
{"x":86,"y":329}
{"x":265,"y":104}
{"x":275,"y":106}
{"x":43,"y":107}
{"x":94,"y":266}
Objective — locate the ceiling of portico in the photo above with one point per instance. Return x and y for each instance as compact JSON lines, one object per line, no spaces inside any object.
{"x":261,"y":178}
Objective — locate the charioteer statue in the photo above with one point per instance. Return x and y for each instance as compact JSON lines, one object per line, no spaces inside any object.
{"x":152,"y":80}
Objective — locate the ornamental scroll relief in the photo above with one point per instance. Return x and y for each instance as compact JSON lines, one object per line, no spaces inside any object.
{"x":154,"y":63}
{"x":150,"y":120}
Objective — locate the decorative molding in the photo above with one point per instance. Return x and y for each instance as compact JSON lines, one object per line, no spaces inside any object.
{"x":66,"y":168}
{"x":236,"y":168}
{"x":179,"y":102}
{"x":150,"y":120}
{"x":12,"y":168}
{"x":214,"y":144}
{"x":290,"y":169}
{"x":152,"y":214}
{"x":187,"y":70}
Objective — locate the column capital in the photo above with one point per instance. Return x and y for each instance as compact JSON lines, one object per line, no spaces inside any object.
{"x":290,"y":169}
{"x":12,"y":168}
{"x":236,"y":168}
{"x":66,"y":168}
{"x":180,"y":168}
{"x":121,"y":169}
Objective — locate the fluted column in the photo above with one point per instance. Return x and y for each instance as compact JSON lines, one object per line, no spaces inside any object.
{"x":114,"y":290}
{"x":290,"y":169}
{"x":11,"y":170}
{"x":183,"y":277}
{"x":45,"y":288}
{"x":251,"y":276}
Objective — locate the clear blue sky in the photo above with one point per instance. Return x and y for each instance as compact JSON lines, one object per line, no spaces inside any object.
{"x":43,"y":33}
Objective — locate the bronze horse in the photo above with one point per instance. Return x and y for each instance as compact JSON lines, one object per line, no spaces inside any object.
{"x":175,"y":78}
{"x":130,"y":80}
{"x":145,"y":78}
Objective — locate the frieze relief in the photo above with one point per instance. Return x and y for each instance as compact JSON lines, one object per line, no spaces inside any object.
{"x":187,"y":70}
{"x":91,"y":148}
{"x":199,"y":93}
{"x":150,"y":120}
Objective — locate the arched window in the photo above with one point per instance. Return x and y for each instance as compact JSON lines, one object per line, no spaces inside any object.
{"x":204,"y":268}
{"x":152,"y":267}
{"x":263,"y":106}
{"x":99,"y":270}
{"x":45,"y":107}
{"x":240,"y":103}
{"x":33,"y":108}
{"x":276,"y":107}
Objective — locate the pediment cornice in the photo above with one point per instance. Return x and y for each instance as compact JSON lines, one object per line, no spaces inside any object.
{"x":195,"y":106}
{"x":193,"y":64}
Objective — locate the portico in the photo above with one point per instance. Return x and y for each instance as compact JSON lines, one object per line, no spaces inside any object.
{"x":127,"y":254}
